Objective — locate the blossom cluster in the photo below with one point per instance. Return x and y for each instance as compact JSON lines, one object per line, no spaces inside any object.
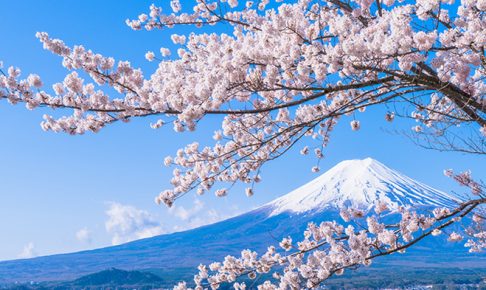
{"x":465,"y":179}
{"x":283,"y":72}
{"x":329,"y":248}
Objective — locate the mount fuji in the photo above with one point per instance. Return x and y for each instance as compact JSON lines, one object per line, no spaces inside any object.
{"x":360,"y":184}
{"x":352,"y":183}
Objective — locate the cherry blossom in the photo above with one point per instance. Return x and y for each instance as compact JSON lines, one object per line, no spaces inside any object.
{"x":283,"y":72}
{"x":329,"y":248}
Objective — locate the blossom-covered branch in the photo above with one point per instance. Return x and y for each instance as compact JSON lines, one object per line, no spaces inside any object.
{"x":330,"y":248}
{"x":284,"y":72}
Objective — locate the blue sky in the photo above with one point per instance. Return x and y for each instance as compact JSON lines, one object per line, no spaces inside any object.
{"x":61,"y":193}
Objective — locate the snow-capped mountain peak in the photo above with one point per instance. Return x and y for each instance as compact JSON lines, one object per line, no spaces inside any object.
{"x":359,"y":184}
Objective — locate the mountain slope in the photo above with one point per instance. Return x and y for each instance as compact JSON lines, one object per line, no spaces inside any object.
{"x":356,"y":183}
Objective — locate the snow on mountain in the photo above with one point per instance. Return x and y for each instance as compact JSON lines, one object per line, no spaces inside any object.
{"x":359,"y":184}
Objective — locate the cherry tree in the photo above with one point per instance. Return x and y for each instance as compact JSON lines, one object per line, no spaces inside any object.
{"x":283,"y":75}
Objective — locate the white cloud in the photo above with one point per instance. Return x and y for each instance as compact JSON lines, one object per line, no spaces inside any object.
{"x":127,"y":223}
{"x":28,"y":251}
{"x":186,"y":214}
{"x":84,"y":235}
{"x":197,"y":215}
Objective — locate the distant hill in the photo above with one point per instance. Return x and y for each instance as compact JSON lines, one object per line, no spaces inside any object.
{"x":357,"y":183}
{"x":107,"y":279}
{"x":116,"y":277}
